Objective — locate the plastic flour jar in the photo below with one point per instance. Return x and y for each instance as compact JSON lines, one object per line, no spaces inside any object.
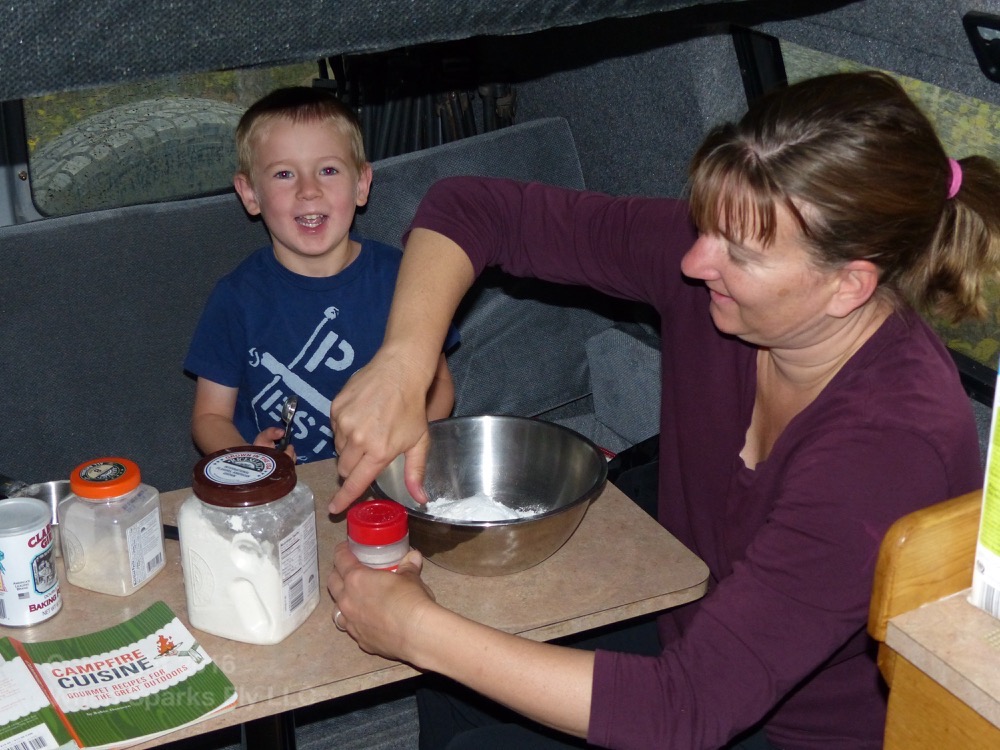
{"x":109,"y":528}
{"x":248,"y":546}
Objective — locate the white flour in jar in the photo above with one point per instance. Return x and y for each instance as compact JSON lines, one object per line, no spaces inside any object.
{"x":235,"y":589}
{"x":111,"y":559}
{"x":479,"y":507}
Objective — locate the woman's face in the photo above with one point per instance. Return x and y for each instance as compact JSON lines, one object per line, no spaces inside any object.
{"x":772,"y":296}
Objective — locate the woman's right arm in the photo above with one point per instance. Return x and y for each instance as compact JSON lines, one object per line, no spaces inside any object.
{"x":381,"y":412}
{"x":627,"y":247}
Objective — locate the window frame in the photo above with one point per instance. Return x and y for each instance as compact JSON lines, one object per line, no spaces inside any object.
{"x":16,"y":205}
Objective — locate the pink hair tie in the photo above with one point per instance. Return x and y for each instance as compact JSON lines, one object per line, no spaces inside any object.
{"x":956,"y":178}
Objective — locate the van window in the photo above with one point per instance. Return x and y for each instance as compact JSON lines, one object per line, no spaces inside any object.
{"x":140,"y":143}
{"x":172,"y":138}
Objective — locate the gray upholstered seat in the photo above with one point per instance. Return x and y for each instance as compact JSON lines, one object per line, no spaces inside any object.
{"x":96,"y":312}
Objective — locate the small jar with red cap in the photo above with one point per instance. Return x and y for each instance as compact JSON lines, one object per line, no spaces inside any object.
{"x":109,"y":527}
{"x":248,"y":546}
{"x":378,"y":533}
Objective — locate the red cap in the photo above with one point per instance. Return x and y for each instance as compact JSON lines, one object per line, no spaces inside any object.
{"x":377,"y":522}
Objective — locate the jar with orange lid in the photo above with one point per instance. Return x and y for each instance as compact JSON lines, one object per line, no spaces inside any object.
{"x":109,"y":527}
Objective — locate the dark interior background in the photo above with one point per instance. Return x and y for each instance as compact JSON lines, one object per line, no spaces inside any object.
{"x":640,"y":81}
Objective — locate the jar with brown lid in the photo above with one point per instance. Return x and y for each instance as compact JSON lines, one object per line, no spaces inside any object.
{"x":110,"y":529}
{"x":248,"y":546}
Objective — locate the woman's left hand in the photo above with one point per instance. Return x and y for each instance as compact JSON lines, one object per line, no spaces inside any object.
{"x":377,"y":608}
{"x":394,"y":615}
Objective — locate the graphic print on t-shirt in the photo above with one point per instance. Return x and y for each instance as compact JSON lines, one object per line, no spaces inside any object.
{"x":311,"y":431}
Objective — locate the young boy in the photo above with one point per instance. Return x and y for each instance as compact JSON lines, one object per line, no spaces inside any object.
{"x":301,"y":315}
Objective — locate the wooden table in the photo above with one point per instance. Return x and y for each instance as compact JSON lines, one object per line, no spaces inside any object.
{"x":946,"y":681}
{"x":619,"y":564}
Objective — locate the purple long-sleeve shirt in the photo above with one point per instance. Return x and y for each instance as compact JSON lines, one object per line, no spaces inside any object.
{"x":791,"y":545}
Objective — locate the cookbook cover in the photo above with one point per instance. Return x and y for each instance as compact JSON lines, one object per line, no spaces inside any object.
{"x":986,"y":571}
{"x":109,"y":689}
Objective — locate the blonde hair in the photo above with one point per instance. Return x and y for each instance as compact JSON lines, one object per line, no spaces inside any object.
{"x":296,"y":104}
{"x":863,"y":173}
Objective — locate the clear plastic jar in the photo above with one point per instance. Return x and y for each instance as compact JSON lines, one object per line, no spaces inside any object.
{"x":110,"y":529}
{"x":378,"y":533}
{"x":248,"y":546}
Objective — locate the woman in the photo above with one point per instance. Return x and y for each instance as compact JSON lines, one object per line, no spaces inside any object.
{"x":805,"y":407}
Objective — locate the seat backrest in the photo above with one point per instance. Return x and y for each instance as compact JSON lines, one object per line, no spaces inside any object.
{"x":523,"y":348}
{"x":97,"y":311}
{"x":925,"y":555}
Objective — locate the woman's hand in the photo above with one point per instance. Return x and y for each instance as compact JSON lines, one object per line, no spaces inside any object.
{"x":394,"y":615}
{"x":379,"y":608}
{"x":382,"y":410}
{"x":379,"y":414}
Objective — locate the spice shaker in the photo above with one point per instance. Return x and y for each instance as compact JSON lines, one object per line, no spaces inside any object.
{"x":248,"y":546}
{"x":378,"y":533}
{"x":109,"y":527}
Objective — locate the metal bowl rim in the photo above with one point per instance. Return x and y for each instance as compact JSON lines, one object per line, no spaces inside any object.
{"x":586,"y":497}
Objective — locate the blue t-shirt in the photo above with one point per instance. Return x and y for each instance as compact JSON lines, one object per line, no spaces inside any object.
{"x":270,"y":333}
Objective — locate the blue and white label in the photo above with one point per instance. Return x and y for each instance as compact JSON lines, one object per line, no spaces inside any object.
{"x":242,"y":467}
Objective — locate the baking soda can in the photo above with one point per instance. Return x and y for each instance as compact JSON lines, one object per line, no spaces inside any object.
{"x":29,"y":584}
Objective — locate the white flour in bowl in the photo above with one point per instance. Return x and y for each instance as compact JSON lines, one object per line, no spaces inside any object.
{"x":479,"y":507}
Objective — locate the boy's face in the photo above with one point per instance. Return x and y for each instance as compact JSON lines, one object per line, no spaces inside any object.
{"x":306,"y":187}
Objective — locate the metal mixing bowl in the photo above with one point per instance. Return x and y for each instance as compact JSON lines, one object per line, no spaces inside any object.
{"x":526,"y":464}
{"x":53,"y":493}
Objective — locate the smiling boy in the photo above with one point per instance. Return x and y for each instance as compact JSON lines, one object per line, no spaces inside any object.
{"x":301,"y":315}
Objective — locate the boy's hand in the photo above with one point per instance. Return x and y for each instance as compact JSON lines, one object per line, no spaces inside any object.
{"x":269,"y":437}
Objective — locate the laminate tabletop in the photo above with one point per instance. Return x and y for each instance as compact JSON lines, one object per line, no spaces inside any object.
{"x":618,"y":564}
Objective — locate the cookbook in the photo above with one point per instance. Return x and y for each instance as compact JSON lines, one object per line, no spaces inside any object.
{"x":113,"y":688}
{"x":985,"y":592}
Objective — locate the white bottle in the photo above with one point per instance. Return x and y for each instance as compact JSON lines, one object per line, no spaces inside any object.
{"x":378,"y":533}
{"x":248,"y":546}
{"x":110,"y":529}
